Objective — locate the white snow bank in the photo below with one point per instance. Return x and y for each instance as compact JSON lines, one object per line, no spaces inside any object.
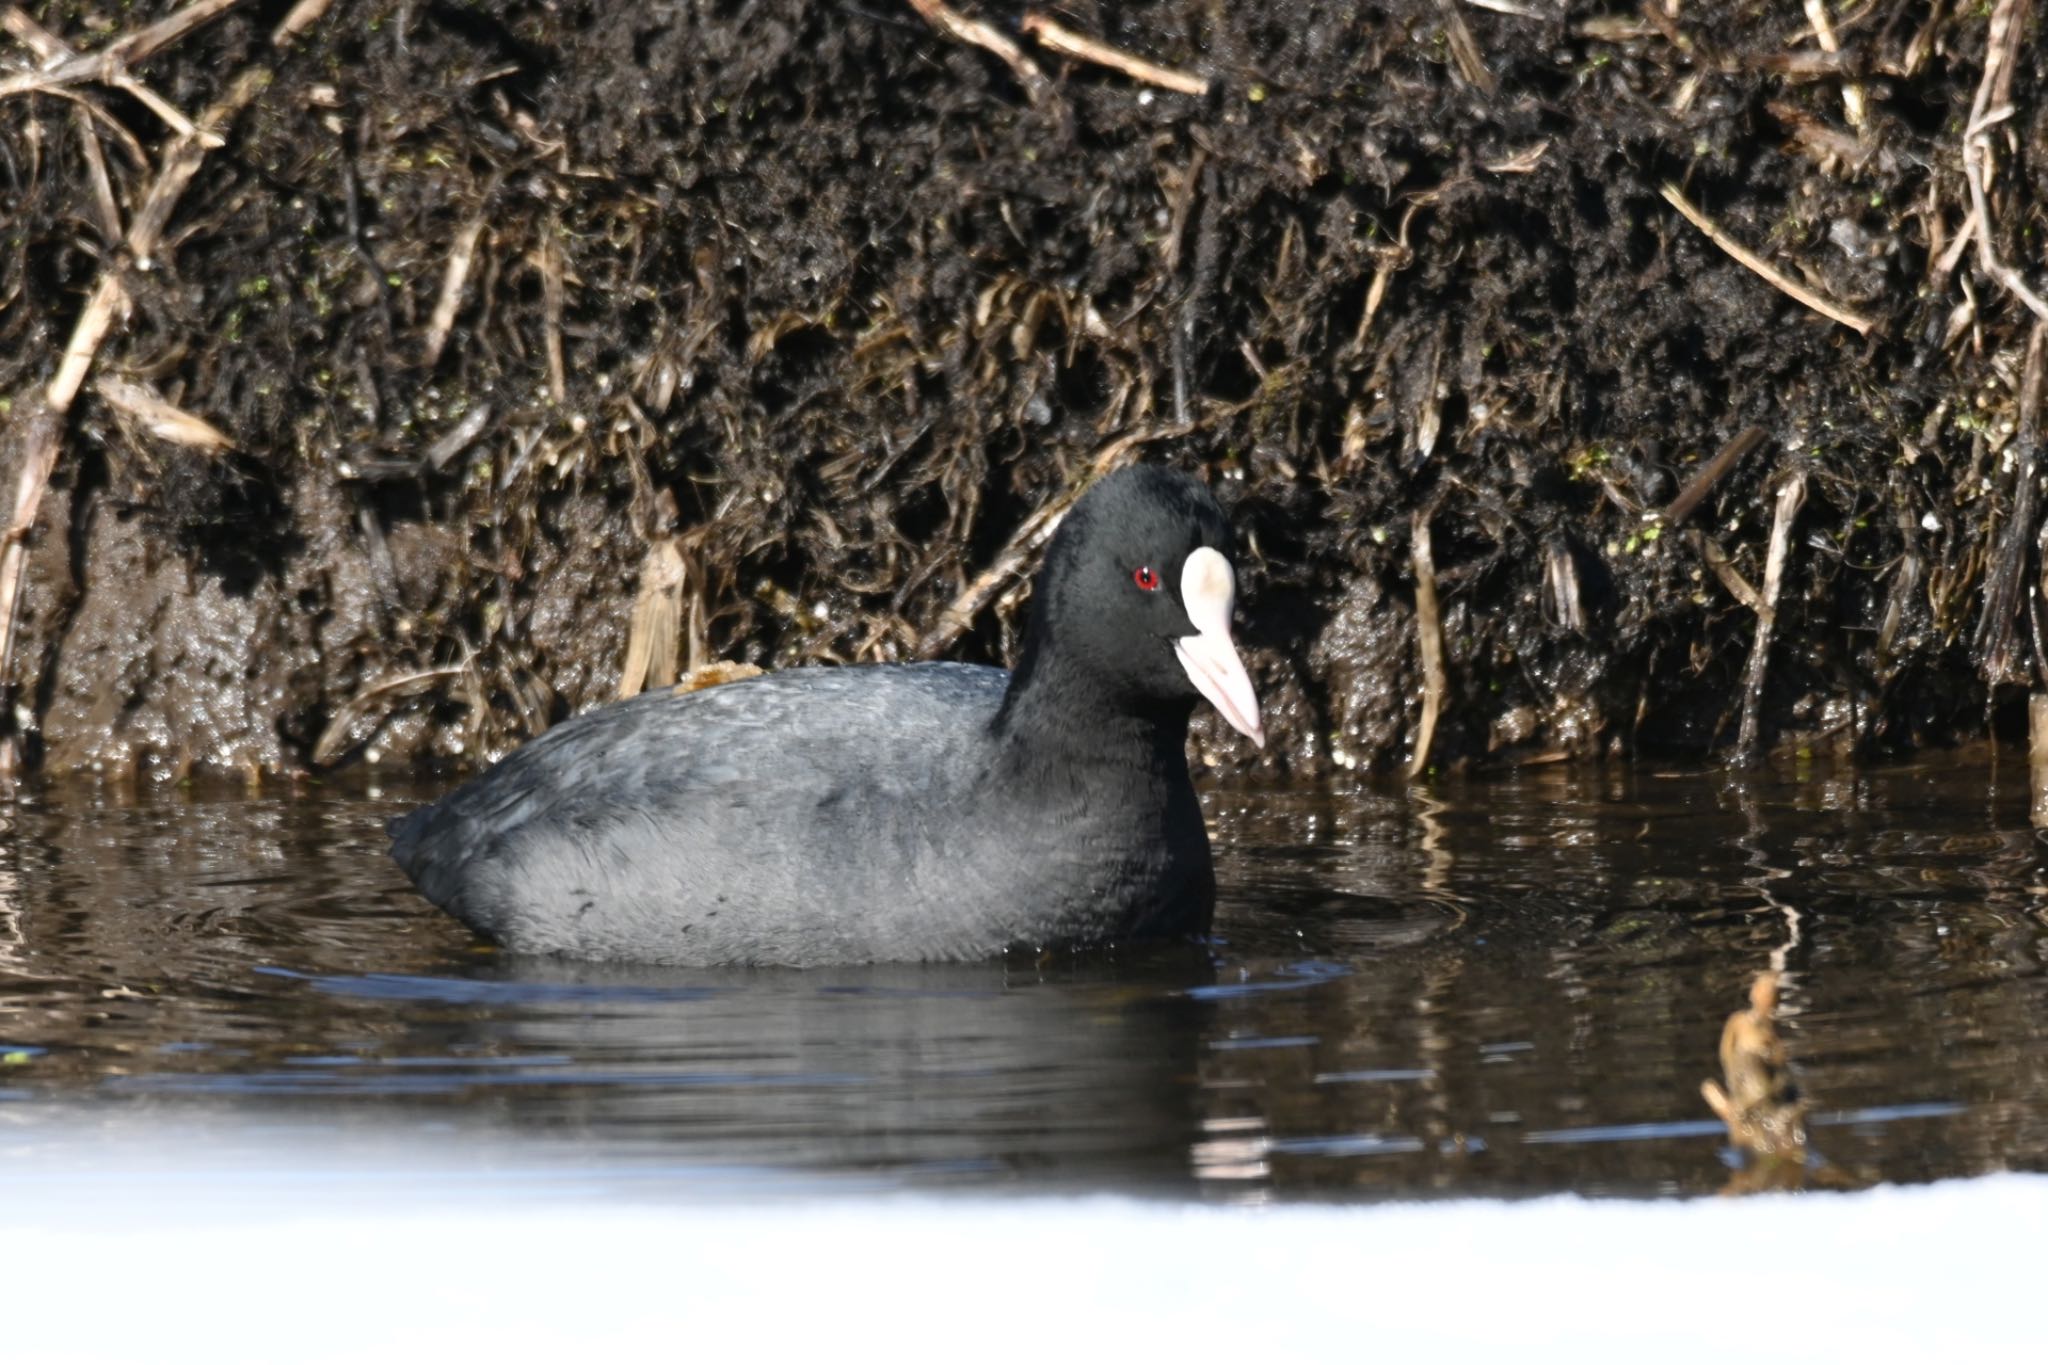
{"x":221,"y":1256}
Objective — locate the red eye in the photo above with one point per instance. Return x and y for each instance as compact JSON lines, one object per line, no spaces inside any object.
{"x":1145,"y":577}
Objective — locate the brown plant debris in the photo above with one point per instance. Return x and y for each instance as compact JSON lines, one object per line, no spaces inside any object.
{"x":842,"y":305}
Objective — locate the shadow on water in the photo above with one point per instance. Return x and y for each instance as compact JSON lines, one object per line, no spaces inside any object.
{"x":1511,"y":986}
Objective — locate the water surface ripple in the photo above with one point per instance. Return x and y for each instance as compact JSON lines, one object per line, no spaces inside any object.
{"x":1504,"y":986}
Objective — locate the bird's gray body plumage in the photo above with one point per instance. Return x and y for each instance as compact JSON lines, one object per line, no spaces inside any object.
{"x":900,"y":823}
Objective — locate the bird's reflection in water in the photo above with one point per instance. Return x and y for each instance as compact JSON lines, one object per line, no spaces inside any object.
{"x":1065,"y":1065}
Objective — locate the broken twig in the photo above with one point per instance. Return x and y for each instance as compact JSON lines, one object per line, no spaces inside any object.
{"x":109,"y":65}
{"x":53,"y":49}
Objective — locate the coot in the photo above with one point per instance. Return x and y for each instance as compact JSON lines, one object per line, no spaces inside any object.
{"x":893,"y":812}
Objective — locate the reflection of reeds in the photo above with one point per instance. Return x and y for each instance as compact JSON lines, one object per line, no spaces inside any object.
{"x":1762,"y":1106}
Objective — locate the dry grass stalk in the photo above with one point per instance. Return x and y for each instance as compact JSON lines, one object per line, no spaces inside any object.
{"x":1071,"y":44}
{"x":109,"y":65}
{"x":1923,"y":41}
{"x":1763,"y":269}
{"x":302,"y":16}
{"x":1965,"y":237}
{"x":1791,"y":497}
{"x":1724,"y":569}
{"x":53,"y":49}
{"x":1465,"y":50}
{"x":1429,"y":642}
{"x":1183,"y":203}
{"x":1614,"y":28}
{"x":551,"y":304}
{"x":2037,"y":758}
{"x":44,"y":429}
{"x":146,"y":42}
{"x":452,"y":279}
{"x":1561,"y":581}
{"x":1524,"y":162}
{"x":32,"y":35}
{"x":459,"y":437}
{"x":161,"y":419}
{"x":1992,"y":106}
{"x":1397,"y":257}
{"x":340,"y":735}
{"x":654,"y":639}
{"x":173,"y":116}
{"x":1824,"y":29}
{"x":960,"y":28}
{"x":96,"y":170}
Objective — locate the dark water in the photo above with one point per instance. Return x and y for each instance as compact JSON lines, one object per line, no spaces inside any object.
{"x":1511,"y":986}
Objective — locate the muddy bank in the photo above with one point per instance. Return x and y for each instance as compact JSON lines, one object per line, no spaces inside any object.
{"x":531,"y":341}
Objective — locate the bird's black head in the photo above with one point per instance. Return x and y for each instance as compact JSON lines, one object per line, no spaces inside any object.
{"x":1133,"y":604}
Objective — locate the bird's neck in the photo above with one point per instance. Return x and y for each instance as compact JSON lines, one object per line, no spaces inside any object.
{"x":1055,"y":718}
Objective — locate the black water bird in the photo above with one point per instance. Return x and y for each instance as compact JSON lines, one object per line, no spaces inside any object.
{"x":895,"y":812}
